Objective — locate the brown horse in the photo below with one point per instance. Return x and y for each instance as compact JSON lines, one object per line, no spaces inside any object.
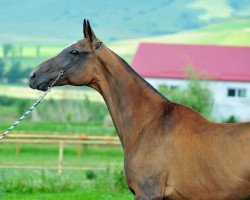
{"x":171,"y":151}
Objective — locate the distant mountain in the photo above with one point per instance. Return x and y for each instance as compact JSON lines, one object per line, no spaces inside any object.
{"x":232,"y":32}
{"x":50,"y":21}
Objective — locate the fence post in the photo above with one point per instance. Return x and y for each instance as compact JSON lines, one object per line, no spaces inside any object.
{"x":17,"y":148}
{"x":60,"y":159}
{"x":79,"y":150}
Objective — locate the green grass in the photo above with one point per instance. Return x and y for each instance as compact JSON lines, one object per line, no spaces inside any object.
{"x":33,"y":154}
{"x":56,"y":116}
{"x":78,"y":195}
{"x":7,"y":113}
{"x":30,"y":50}
{"x":67,"y":92}
{"x":28,"y":184}
{"x":61,"y":127}
{"x":48,"y":155}
{"x":46,"y":184}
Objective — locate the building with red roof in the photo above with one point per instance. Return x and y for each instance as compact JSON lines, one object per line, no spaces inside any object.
{"x":226,"y":67}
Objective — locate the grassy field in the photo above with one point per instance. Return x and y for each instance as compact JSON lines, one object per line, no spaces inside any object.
{"x":78,"y":195}
{"x":31,"y":50}
{"x":46,"y":184}
{"x":61,"y":115}
{"x":23,"y":91}
{"x":56,"y":127}
{"x":47,"y":155}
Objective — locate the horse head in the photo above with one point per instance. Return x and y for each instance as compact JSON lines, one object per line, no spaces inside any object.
{"x":75,"y":63}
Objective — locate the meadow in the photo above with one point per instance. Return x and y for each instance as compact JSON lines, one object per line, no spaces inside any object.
{"x":77,"y":195}
{"x":46,"y":184}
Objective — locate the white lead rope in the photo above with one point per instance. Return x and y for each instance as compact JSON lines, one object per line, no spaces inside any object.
{"x":40,"y":100}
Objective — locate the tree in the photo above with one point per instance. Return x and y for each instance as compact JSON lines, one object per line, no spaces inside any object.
{"x":15,"y":72}
{"x":7,"y":49}
{"x":38,"y":51}
{"x":196,"y":95}
{"x":20,"y":52}
{"x":2,"y":65}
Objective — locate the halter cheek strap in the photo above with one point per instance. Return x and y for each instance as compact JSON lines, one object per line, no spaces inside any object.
{"x":97,"y":46}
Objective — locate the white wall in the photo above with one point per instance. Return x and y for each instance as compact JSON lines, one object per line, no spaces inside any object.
{"x":224,"y":106}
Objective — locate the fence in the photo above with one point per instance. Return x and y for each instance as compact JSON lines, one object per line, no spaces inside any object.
{"x":61,"y":140}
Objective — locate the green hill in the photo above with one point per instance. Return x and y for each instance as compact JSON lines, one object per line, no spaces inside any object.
{"x":234,"y":32}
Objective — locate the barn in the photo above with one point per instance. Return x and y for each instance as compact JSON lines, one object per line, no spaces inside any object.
{"x":226,"y":68}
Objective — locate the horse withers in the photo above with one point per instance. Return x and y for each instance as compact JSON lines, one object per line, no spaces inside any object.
{"x":171,"y":151}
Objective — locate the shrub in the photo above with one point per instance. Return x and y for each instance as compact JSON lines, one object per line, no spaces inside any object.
{"x":90,"y":175}
{"x":71,"y":111}
{"x":43,"y":181}
{"x":119,"y":181}
{"x":30,"y":183}
{"x":2,"y":67}
{"x":112,"y":181}
{"x":231,"y":119}
{"x":59,"y":110}
{"x":196,"y":95}
{"x":107,"y":121}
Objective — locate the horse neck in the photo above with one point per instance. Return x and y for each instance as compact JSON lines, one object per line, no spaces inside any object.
{"x":130,"y":100}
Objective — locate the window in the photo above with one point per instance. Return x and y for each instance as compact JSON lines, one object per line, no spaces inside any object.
{"x":242,"y":93}
{"x":231,"y":92}
{"x":236,"y":92}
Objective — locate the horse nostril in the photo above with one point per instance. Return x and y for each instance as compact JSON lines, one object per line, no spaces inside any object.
{"x":33,"y":75}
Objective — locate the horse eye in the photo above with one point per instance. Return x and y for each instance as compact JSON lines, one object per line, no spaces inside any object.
{"x":74,"y":52}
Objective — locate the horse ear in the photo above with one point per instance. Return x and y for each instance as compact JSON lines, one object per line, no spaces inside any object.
{"x":84,"y":28}
{"x":87,"y":30}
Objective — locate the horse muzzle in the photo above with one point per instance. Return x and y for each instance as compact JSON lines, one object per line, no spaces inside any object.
{"x":34,"y":84}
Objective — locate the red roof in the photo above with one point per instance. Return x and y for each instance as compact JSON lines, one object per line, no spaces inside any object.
{"x":171,"y":60}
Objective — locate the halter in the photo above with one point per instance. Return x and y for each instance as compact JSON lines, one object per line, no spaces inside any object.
{"x":41,"y":98}
{"x":98,"y":45}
